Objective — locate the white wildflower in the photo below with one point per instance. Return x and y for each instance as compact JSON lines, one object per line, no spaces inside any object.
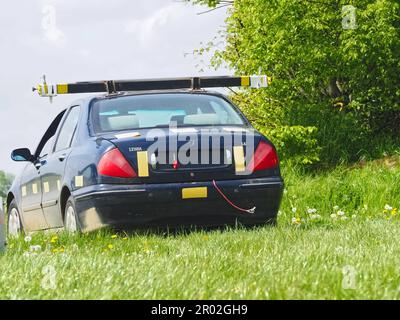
{"x":341,"y":213}
{"x":336,"y":208}
{"x":28,"y":239}
{"x":311,"y":211}
{"x":333,"y":216}
{"x":35,"y":248}
{"x":294,"y":209}
{"x":388,"y":208}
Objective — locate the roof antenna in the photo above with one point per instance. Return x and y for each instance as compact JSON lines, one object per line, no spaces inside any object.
{"x":51,"y":94}
{"x":44,"y":90}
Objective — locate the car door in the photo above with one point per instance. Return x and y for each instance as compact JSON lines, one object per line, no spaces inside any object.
{"x":31,"y":196}
{"x":52,"y":169}
{"x":31,"y":186}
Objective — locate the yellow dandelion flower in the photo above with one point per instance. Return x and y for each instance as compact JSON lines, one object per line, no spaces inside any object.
{"x":125,"y":238}
{"x":296,"y":220}
{"x":110,"y":246}
{"x":114,"y":236}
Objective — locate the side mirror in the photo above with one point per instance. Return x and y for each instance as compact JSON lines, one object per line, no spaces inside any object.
{"x":23,"y":154}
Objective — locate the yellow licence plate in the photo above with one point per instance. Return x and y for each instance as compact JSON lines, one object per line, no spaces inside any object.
{"x":193,"y":193}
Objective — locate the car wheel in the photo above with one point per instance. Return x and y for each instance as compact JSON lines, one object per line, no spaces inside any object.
{"x":71,"y":222}
{"x":14,"y":224}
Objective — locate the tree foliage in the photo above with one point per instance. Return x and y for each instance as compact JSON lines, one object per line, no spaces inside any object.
{"x":334,"y":82}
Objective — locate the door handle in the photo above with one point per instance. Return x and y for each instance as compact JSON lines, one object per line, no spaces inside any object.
{"x":62,"y":157}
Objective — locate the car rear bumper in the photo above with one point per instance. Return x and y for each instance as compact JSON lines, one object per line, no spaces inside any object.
{"x":162,"y":205}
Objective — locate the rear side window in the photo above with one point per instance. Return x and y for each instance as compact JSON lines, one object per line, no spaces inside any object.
{"x":68,"y":129}
{"x":162,"y":110}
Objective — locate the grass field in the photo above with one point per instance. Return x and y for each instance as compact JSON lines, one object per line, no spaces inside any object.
{"x":338,"y":237}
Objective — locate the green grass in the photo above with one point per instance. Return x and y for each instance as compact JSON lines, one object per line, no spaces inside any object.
{"x":291,"y":261}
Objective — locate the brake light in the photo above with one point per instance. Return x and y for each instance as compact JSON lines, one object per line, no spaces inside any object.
{"x":114,"y":164}
{"x":264,"y":157}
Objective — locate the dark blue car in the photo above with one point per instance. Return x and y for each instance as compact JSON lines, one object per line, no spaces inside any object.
{"x":153,"y":159}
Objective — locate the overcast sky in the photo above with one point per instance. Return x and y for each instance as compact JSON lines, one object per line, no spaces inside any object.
{"x":80,"y":40}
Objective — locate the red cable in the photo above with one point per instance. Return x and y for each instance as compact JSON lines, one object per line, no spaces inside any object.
{"x":252,"y":210}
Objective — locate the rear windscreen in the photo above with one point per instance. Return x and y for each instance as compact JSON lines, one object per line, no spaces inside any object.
{"x":162,"y":110}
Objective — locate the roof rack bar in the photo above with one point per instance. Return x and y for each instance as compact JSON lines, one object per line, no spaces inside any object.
{"x":115,"y":86}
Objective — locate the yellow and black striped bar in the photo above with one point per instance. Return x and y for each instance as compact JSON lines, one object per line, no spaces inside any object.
{"x":115,"y":86}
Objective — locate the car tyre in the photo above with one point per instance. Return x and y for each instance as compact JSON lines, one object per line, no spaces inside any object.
{"x":14,"y":224}
{"x":71,"y":221}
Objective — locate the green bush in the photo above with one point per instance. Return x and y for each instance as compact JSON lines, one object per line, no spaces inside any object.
{"x":335,"y":93}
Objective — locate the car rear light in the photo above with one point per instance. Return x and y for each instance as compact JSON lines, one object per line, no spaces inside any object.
{"x":114,"y":164}
{"x":264,"y":157}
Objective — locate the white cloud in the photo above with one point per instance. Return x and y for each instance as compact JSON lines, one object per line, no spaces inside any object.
{"x":148,"y":27}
